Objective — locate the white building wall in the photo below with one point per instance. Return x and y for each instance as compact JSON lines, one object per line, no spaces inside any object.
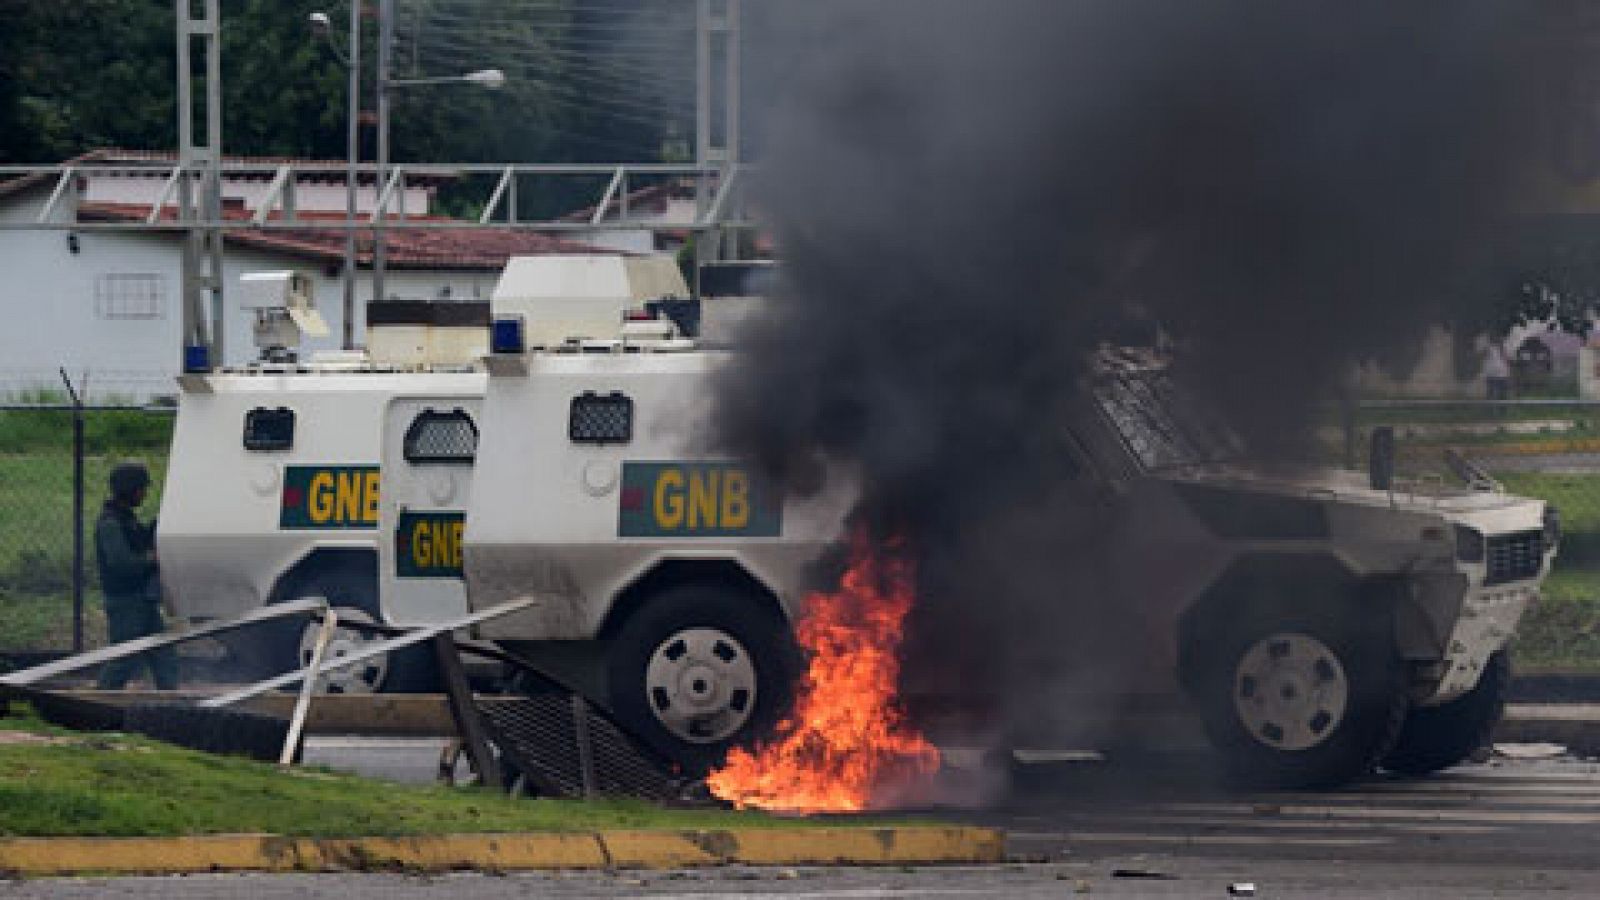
{"x":53,"y":317}
{"x":308,"y":196}
{"x":676,"y":212}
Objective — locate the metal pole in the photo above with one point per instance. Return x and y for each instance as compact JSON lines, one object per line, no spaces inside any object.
{"x":191,"y":311}
{"x":702,"y":132}
{"x":77,"y":525}
{"x":200,"y":168}
{"x":77,"y":513}
{"x":213,"y":193}
{"x":702,"y":96}
{"x":353,"y":151}
{"x":385,"y":48}
{"x":727,"y":240}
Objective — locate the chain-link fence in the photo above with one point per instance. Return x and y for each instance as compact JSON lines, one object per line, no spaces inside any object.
{"x":1548,"y":449}
{"x":54,"y":460}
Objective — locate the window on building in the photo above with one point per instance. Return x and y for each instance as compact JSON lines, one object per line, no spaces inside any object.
{"x":130,"y":296}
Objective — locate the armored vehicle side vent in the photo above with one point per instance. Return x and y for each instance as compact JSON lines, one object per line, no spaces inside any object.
{"x":598,"y":419}
{"x":269,"y":429}
{"x":442,"y":437}
{"x":1515,"y":557}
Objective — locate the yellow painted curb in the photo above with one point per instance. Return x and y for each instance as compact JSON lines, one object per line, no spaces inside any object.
{"x":502,"y":852}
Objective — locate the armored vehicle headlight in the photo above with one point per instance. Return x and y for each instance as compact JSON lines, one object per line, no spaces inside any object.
{"x":1552,"y":526}
{"x":1469,"y":544}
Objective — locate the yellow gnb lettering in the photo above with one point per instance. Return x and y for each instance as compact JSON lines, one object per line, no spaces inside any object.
{"x":319,"y":503}
{"x":420,"y":545}
{"x":456,"y":529}
{"x":669,"y":499}
{"x":349,"y":497}
{"x":369,"y":507}
{"x":703,"y":499}
{"x":735,"y":499}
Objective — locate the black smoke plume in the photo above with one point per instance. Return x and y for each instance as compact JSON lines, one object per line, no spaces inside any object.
{"x":968,"y":197}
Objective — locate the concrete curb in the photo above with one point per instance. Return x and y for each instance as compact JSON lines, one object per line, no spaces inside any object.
{"x":1573,"y":725}
{"x":919,"y":845}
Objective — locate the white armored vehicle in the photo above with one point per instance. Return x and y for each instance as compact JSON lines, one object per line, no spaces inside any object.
{"x":1321,"y":623}
{"x":1324,"y":622}
{"x":345,"y":476}
{"x":665,"y":577}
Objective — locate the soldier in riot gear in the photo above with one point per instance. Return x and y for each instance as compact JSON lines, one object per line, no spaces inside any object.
{"x":129,"y":576}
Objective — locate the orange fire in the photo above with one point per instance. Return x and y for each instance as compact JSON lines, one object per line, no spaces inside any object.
{"x":846,"y":747}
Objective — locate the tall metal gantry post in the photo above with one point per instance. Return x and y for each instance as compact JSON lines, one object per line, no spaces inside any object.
{"x":196,"y":179}
{"x":200,"y":181}
{"x":380,"y":248}
{"x":717,"y":31}
{"x":353,"y":153}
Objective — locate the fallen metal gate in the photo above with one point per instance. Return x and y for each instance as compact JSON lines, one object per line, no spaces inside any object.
{"x":550,"y":741}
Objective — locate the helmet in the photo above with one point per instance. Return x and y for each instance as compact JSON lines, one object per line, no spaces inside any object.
{"x":128,"y":477}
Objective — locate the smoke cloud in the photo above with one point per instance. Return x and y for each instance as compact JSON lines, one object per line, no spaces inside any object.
{"x":968,"y":197}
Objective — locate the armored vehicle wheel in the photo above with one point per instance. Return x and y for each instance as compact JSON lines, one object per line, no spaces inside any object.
{"x":700,"y":668}
{"x":364,"y":677}
{"x":1305,"y":697}
{"x":354,"y":598}
{"x":1438,"y":737}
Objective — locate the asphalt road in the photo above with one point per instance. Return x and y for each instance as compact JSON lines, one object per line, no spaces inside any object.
{"x":1151,"y":828}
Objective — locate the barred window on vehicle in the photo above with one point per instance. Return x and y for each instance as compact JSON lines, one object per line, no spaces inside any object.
{"x":442,"y":436}
{"x":601,"y":418}
{"x":130,"y":296}
{"x":269,"y":428}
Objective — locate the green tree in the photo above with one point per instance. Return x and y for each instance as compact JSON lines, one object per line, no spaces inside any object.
{"x":587,"y":81}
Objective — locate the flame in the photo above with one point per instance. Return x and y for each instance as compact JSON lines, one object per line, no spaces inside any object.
{"x":846,"y":746}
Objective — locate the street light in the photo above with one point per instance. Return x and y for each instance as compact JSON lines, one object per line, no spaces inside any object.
{"x":322,"y":24}
{"x":492,"y":79}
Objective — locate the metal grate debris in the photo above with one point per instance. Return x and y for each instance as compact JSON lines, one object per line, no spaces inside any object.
{"x":566,"y":749}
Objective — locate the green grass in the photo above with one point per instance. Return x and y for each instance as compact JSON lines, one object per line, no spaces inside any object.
{"x":1563,"y":629}
{"x":36,"y":509}
{"x":1577,"y":498}
{"x":121,"y":786}
{"x":1587,"y":415}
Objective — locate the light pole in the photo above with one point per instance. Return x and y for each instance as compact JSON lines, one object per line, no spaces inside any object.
{"x":492,"y":79}
{"x":321,"y":23}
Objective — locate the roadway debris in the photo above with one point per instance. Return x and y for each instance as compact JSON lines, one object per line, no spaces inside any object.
{"x":1150,"y":874}
{"x":1530,"y":751}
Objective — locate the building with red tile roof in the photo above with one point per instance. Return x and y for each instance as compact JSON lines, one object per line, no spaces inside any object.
{"x":104,"y":303}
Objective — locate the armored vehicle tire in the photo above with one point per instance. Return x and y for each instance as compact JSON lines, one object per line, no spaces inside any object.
{"x":1438,"y":737}
{"x":354,"y":597}
{"x":1305,"y":697}
{"x":700,"y":668}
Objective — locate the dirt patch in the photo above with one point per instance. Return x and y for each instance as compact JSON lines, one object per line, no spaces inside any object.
{"x":28,"y":737}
